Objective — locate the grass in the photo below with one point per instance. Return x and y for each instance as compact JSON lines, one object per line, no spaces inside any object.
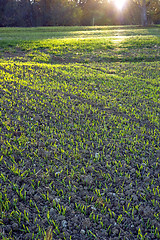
{"x":79,"y":132}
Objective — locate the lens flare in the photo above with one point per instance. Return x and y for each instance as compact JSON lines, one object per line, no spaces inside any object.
{"x":119,"y":4}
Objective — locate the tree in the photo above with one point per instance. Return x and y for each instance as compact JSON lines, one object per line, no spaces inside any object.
{"x":28,"y":13}
{"x":3,"y":4}
{"x":10,"y":14}
{"x":154,"y":11}
{"x":148,"y":8}
{"x":142,"y":4}
{"x":25,"y":13}
{"x":60,"y":12}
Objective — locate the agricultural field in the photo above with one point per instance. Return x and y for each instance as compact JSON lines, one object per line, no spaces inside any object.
{"x":80,"y":133}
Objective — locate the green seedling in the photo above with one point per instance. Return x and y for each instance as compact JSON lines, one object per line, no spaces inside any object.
{"x":96,"y":116}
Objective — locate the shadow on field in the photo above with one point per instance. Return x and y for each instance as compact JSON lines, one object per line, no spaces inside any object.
{"x":51,"y":96}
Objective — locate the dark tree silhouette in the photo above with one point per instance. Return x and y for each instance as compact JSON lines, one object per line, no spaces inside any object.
{"x":28,"y":13}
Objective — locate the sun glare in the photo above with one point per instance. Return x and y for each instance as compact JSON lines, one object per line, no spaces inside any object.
{"x":119,"y":4}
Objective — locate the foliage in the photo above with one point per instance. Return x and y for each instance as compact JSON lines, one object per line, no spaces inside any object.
{"x":29,"y":13}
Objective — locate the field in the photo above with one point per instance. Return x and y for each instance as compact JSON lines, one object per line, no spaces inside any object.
{"x":80,"y":133}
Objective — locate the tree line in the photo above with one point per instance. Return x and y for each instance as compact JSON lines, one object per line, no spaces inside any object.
{"x":32,"y":13}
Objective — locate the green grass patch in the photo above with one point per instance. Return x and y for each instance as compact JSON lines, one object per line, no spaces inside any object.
{"x":79,"y":133}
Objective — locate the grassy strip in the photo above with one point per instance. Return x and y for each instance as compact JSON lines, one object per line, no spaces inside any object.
{"x":79,"y":138}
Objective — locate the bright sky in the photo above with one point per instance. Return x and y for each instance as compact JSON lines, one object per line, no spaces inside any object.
{"x":119,"y":4}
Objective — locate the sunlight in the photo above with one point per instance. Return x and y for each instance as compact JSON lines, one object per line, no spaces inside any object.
{"x":119,"y":4}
